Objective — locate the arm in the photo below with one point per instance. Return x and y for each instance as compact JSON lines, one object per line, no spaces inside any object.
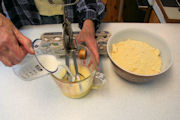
{"x":91,"y":9}
{"x":90,"y":15}
{"x":13,"y":45}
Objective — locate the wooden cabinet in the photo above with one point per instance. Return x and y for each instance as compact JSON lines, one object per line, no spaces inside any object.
{"x":113,"y":10}
{"x":153,"y":17}
{"x":116,"y":8}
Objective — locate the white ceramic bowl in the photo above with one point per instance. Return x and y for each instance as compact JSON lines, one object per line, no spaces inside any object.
{"x":141,"y":35}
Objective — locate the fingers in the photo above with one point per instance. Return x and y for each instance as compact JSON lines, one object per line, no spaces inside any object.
{"x":5,"y":61}
{"x":92,"y":45}
{"x":27,"y":44}
{"x":8,"y":57}
{"x":93,"y":65}
{"x":9,"y":46}
{"x":95,"y":53}
{"x":90,"y":42}
{"x":11,"y":52}
{"x":14,"y":50}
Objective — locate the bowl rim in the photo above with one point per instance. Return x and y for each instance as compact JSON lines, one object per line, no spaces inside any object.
{"x":148,"y":32}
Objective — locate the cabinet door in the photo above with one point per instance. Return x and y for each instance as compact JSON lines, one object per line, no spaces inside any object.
{"x":112,"y":10}
{"x":153,"y":18}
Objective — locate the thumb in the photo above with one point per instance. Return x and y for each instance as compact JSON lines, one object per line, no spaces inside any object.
{"x":26,"y":42}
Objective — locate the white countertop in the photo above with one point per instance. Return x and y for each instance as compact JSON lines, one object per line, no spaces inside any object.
{"x":41,"y":99}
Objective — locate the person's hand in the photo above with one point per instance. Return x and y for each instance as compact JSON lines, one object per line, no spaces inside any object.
{"x":87,"y":35}
{"x":13,"y":45}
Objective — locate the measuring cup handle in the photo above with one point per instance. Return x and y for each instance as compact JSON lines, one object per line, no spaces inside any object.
{"x":99,"y":80}
{"x":34,"y":41}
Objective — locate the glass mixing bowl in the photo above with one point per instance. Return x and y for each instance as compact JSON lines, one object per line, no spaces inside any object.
{"x":90,"y":78}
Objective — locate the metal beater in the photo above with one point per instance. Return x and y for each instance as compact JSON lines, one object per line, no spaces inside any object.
{"x":70,"y":48}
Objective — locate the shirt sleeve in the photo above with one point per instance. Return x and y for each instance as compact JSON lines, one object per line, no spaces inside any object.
{"x":91,"y":9}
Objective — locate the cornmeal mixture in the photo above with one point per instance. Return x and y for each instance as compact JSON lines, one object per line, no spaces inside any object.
{"x":137,"y":57}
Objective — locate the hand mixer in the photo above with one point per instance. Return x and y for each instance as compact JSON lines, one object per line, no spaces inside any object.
{"x":70,"y":48}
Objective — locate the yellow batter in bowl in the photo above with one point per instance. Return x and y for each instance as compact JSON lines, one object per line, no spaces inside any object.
{"x":137,"y":57}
